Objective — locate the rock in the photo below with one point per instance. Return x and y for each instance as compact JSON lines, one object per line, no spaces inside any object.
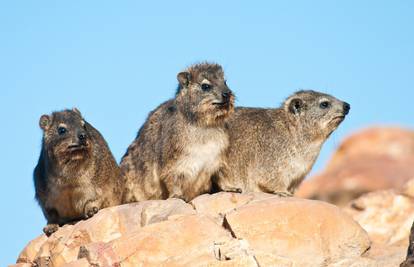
{"x":21,"y":265}
{"x":408,"y":189}
{"x":31,"y":250}
{"x":183,"y":241}
{"x":225,"y":229}
{"x":78,"y":263}
{"x":384,"y":255}
{"x":107,"y":225}
{"x":218,"y":205}
{"x":385,"y":215}
{"x":395,"y":143}
{"x":374,"y":159}
{"x":386,"y":260}
{"x":296,"y":232}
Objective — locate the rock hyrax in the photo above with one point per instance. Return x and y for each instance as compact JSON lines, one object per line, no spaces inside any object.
{"x":272,"y":150}
{"x":182,"y":143}
{"x":76,"y":174}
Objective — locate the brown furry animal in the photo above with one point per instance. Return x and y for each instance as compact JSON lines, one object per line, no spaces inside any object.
{"x":272,"y":150}
{"x":182,"y":143}
{"x":76,"y":174}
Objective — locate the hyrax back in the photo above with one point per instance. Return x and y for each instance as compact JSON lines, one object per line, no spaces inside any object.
{"x":76,"y":174}
{"x":272,"y":150}
{"x":181,"y":144}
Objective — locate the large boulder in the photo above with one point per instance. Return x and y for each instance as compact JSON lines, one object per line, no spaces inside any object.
{"x":223,"y":229}
{"x":373,"y":159}
{"x":297,"y":232}
{"x":387,"y":216}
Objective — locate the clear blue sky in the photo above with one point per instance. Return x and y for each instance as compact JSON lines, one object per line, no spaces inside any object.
{"x":117,"y":60}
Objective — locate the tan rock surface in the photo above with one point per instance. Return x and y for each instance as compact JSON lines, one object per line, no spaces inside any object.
{"x":218,"y":205}
{"x":78,"y":263}
{"x":378,"y":256}
{"x":386,"y":216}
{"x":21,"y":265}
{"x":297,"y":231}
{"x":109,"y":224}
{"x":31,"y":250}
{"x":259,"y":230}
{"x":374,"y":159}
{"x":183,"y":241}
{"x":393,"y":142}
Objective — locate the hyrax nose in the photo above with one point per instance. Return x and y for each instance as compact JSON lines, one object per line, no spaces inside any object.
{"x":82,"y":136}
{"x":347,"y":107}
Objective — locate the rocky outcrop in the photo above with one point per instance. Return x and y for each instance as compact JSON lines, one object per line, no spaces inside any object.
{"x":387,"y":216}
{"x":224,"y":229}
{"x":374,"y":159}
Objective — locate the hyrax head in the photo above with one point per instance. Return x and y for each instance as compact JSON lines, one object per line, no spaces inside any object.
{"x":65,"y":136}
{"x":203,"y":95}
{"x":322,"y":113}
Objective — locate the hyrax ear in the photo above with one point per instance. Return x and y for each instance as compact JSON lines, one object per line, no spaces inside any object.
{"x":295,"y":105}
{"x":45,"y":122}
{"x":77,"y":111}
{"x":184,"y":78}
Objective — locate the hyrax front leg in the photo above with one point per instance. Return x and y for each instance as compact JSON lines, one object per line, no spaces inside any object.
{"x":283,"y":194}
{"x":88,"y":201}
{"x":52,"y":217}
{"x":91,"y":208}
{"x":224,"y":181}
{"x":272,"y":188}
{"x":173,"y":184}
{"x":231,"y":189}
{"x":49,"y":229}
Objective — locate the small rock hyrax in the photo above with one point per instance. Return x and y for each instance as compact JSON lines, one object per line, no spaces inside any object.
{"x":272,"y":150}
{"x":76,"y":174}
{"x":182,"y":143}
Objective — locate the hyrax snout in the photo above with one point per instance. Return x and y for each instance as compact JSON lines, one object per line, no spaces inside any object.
{"x":182,"y":143}
{"x":76,"y":174}
{"x":272,"y":150}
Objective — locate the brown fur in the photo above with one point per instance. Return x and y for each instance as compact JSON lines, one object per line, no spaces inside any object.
{"x":272,"y":150}
{"x":183,"y":140}
{"x":76,"y":174}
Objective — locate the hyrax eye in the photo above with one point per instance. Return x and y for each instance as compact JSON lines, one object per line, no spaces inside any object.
{"x":62,"y":130}
{"x":205,"y":87}
{"x":324,"y":105}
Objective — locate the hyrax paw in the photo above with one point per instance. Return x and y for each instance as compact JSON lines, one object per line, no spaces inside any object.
{"x":90,"y":211}
{"x":50,"y":229}
{"x":234,"y":190}
{"x":91,"y":208}
{"x":283,"y":194}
